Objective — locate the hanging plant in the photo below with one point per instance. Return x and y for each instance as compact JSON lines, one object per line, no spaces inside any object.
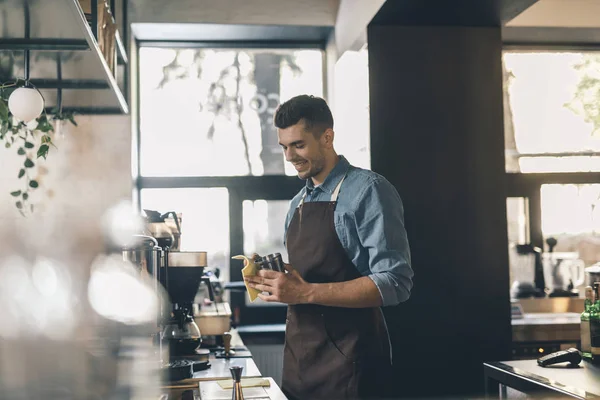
{"x":26,"y":127}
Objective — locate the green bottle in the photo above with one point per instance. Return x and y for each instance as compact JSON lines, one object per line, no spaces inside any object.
{"x":595,"y":325}
{"x":586,"y":341}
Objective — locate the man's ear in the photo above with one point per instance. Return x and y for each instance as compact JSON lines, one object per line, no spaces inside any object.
{"x":328,"y":137}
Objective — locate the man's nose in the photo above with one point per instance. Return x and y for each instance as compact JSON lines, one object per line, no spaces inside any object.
{"x":289,"y":154}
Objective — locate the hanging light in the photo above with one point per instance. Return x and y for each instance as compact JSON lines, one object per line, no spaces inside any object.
{"x":26,"y":104}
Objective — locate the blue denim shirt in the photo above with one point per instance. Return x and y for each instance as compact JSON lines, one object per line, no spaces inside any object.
{"x":369,"y":221}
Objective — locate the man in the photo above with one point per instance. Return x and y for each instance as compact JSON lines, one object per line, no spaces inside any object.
{"x":348,"y":255}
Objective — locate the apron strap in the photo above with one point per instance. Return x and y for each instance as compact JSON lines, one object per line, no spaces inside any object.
{"x":334,"y":196}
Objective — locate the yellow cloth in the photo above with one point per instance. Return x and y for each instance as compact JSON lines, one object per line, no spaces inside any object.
{"x":249,"y":269}
{"x":246,"y":382}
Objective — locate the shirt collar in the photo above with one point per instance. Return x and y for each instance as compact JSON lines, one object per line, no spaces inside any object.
{"x":334,"y":177}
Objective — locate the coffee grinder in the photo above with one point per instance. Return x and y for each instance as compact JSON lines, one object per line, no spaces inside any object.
{"x":183,"y":273}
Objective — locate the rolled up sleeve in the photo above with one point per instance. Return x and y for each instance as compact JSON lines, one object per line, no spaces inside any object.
{"x":380,"y":227}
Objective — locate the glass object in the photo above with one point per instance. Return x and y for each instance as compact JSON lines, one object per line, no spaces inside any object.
{"x":351,"y":107}
{"x":552,"y":111}
{"x":204,"y":220}
{"x":595,"y":325}
{"x":209,"y":112}
{"x":586,"y":345}
{"x":264,"y":226}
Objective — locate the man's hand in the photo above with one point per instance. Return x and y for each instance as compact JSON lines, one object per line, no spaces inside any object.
{"x":285,"y":288}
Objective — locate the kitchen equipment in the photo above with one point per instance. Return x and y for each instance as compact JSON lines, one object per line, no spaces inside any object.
{"x":213,"y":319}
{"x":184,"y":273}
{"x":272,"y":262}
{"x":527,"y":271}
{"x":165,"y":228}
{"x":592,"y":274}
{"x":184,"y":369}
{"x":217,"y":286}
{"x":564,"y":273}
{"x":145,"y":254}
{"x":236,"y":374}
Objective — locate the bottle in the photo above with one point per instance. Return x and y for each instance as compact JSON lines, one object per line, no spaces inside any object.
{"x":595,"y":325}
{"x":586,"y":344}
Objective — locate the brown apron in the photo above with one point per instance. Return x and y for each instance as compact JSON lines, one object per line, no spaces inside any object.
{"x":330,"y":352}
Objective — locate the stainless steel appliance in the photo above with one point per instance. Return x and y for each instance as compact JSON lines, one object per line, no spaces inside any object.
{"x":144,"y":253}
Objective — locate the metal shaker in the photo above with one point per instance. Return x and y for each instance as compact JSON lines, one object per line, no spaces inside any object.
{"x":278,"y":262}
{"x":261,"y":262}
{"x":272,"y":262}
{"x":236,"y":374}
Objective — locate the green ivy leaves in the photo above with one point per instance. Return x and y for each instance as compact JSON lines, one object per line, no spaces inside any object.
{"x":26,"y":141}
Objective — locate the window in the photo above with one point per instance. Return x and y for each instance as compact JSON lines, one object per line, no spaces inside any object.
{"x":204,"y":219}
{"x":571,"y":215}
{"x":552,"y":144}
{"x":208,"y":148}
{"x":264,"y":226}
{"x":552,"y":111}
{"x":209,"y":112}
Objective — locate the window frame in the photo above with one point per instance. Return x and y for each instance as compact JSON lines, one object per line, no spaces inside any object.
{"x":240,"y":188}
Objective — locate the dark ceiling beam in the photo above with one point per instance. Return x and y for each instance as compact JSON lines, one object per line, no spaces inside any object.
{"x":450,"y":12}
{"x":510,"y":9}
{"x":551,"y":37}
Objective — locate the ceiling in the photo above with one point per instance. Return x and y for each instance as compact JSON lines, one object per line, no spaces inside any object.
{"x":569,"y":23}
{"x":560,"y":13}
{"x":232,"y":12}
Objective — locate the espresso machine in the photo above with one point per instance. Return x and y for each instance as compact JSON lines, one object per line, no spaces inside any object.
{"x":145,"y":254}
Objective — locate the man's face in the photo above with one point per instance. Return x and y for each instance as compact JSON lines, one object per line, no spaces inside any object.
{"x":303,"y":150}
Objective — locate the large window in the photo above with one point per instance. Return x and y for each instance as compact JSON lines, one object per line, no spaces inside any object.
{"x":552,"y":119}
{"x":209,"y":112}
{"x":552,"y":145}
{"x":208,"y":148}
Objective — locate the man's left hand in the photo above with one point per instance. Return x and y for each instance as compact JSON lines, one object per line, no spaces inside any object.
{"x":285,"y":288}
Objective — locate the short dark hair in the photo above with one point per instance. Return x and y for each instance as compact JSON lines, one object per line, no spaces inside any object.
{"x":314,"y":111}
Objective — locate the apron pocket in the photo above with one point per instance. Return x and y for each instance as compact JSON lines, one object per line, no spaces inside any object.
{"x":344,"y":342}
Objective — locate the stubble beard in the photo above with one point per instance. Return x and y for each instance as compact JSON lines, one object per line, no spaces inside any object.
{"x":316,"y":167}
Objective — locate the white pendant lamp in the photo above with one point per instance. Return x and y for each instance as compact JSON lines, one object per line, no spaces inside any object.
{"x":26,"y":104}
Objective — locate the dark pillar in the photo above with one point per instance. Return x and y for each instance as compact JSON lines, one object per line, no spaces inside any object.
{"x":437,"y":135}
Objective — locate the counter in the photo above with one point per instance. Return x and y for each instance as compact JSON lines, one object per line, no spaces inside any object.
{"x":203,"y":385}
{"x":542,"y":326}
{"x":526,"y":376}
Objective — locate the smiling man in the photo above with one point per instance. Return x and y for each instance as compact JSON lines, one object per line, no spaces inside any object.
{"x":349,"y":256}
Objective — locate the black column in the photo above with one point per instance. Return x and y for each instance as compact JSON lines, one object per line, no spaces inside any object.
{"x":437,"y":135}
